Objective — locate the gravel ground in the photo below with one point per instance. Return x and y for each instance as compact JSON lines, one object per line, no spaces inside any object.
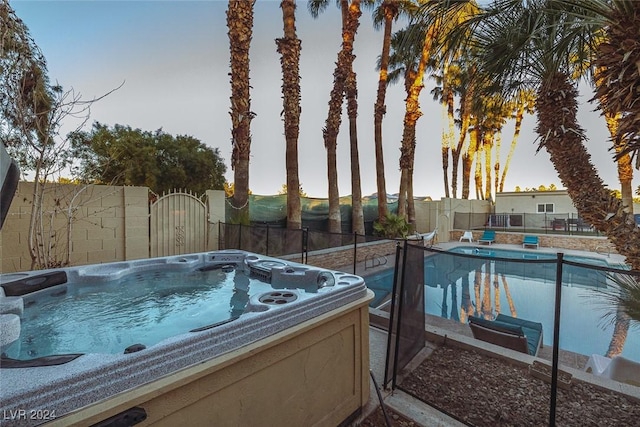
{"x":484,"y":391}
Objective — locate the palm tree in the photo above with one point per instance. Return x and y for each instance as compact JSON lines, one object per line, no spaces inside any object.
{"x":351,"y":93}
{"x":468,"y":156}
{"x":522,"y":103}
{"x":625,"y":168}
{"x":342,"y":72}
{"x":618,"y":71}
{"x":240,"y":24}
{"x":454,"y":69}
{"x":387,"y":12}
{"x":466,"y":92}
{"x":404,"y":63}
{"x":289,"y":47}
{"x":535,"y":45}
{"x":444,"y":93}
{"x":412,"y":114}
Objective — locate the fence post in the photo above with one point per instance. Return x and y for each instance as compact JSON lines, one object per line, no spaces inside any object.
{"x":267,"y":248}
{"x":305,"y":245}
{"x":355,"y":251}
{"x":400,"y":304}
{"x":556,"y":342}
{"x":389,"y":364}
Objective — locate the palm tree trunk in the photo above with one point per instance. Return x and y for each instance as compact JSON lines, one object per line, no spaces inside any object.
{"x":413,"y":113}
{"x":240,"y":23}
{"x":478,"y":172}
{"x":486,"y":148}
{"x":466,"y":306}
{"x":411,"y":205}
{"x":444,"y":151}
{"x":496,"y":164}
{"x":487,"y":310}
{"x":477,"y":284}
{"x":380,"y":110}
{"x":563,"y":139}
{"x":514,"y":143}
{"x":447,"y":143}
{"x":465,"y":109}
{"x":330,"y":132}
{"x":625,"y":169}
{"x":496,"y":295}
{"x":619,"y":337}
{"x":402,"y":195}
{"x":357,"y":216}
{"x":625,"y":176}
{"x":289,"y":48}
{"x":467,"y":161}
{"x":512,"y":306}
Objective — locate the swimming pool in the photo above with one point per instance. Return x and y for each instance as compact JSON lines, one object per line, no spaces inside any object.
{"x":459,"y":286}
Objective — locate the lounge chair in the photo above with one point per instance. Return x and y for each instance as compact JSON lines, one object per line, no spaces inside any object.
{"x":489,"y":236}
{"x":428,"y":239}
{"x":517,"y":334}
{"x":467,"y":235}
{"x":530,"y":241}
{"x":618,"y":369}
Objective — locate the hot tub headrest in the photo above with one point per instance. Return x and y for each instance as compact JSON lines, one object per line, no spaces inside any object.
{"x":34,"y":283}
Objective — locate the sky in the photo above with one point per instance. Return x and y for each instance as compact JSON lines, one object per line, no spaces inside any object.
{"x":173,"y":58}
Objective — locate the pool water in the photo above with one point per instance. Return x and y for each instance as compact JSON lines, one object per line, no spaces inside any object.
{"x":140,"y":308}
{"x":457,"y":287}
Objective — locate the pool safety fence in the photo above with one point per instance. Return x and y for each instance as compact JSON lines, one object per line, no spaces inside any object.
{"x":539,"y":223}
{"x":475,"y":283}
{"x":276,"y":241}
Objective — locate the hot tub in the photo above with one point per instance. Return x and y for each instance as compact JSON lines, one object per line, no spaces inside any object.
{"x":289,"y":345}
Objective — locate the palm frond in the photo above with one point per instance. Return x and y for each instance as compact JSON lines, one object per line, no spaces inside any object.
{"x":621,"y":294}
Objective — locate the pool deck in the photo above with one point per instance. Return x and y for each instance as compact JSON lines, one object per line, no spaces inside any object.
{"x":437,"y":329}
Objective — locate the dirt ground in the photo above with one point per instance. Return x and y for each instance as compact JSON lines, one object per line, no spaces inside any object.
{"x":483,"y":391}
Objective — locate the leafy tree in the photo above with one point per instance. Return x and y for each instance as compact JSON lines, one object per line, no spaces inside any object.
{"x":32,"y":112}
{"x":125,"y":156}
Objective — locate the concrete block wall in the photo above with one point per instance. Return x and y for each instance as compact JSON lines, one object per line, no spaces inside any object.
{"x":94,"y":223}
{"x":216,"y":208}
{"x":341,"y":259}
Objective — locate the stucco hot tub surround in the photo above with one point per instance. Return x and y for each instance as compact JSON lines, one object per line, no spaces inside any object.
{"x":297,"y":354}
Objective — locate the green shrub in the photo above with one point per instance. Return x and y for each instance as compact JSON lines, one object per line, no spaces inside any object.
{"x":393,"y":226}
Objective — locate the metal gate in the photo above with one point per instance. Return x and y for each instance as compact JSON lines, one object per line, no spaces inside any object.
{"x":178,"y":225}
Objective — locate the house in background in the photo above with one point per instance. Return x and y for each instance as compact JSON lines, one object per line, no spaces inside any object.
{"x":539,"y":209}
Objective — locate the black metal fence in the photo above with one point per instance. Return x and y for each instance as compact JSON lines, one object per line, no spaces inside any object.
{"x":567,"y":295}
{"x":277,"y":241}
{"x":539,"y":223}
